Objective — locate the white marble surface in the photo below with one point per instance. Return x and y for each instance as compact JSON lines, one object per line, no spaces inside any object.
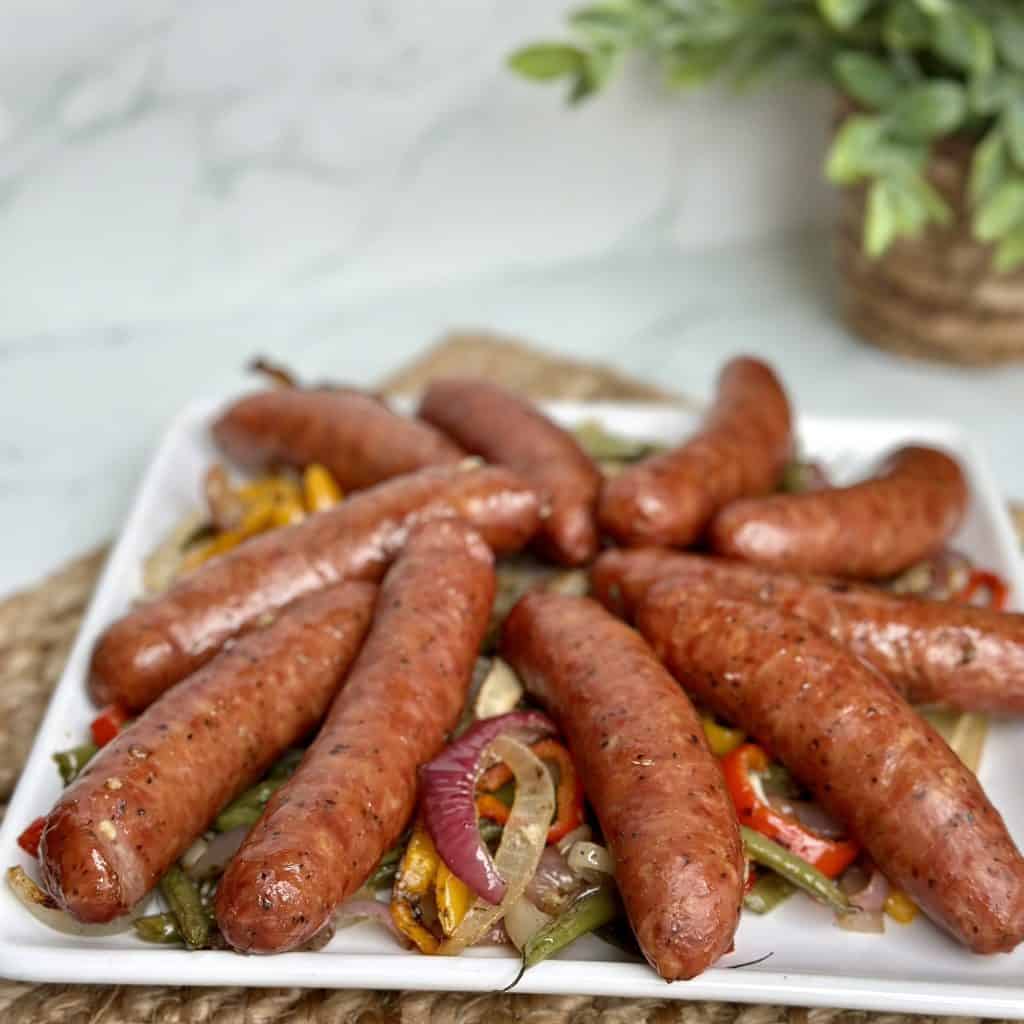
{"x":185,"y":183}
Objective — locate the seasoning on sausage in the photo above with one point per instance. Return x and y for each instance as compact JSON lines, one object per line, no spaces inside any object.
{"x":934,"y":652}
{"x":162,"y":641}
{"x":354,"y":435}
{"x":647,"y":770}
{"x":325,"y":829}
{"x":502,"y":427}
{"x":153,"y":789}
{"x":871,"y":530}
{"x":741,"y":449}
{"x":868,"y":758}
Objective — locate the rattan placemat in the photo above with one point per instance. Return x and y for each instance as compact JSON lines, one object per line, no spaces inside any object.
{"x":36,"y":631}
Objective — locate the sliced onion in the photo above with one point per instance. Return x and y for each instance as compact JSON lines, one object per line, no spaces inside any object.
{"x":43,"y":909}
{"x":810,"y":815}
{"x":449,"y":810}
{"x":523,"y":920}
{"x":936,"y":578}
{"x":500,"y":691}
{"x":522,"y":842}
{"x":870,"y":922}
{"x":496,"y":936}
{"x":163,"y":563}
{"x":554,"y":884}
{"x":574,"y":583}
{"x":581,"y":834}
{"x":590,"y":861}
{"x":360,"y":908}
{"x":965,"y":732}
{"x":216,"y":853}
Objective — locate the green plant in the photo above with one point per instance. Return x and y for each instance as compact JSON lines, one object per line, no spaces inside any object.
{"x":915,"y":70}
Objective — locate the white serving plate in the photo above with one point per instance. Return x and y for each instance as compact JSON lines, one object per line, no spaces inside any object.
{"x":813,"y":963}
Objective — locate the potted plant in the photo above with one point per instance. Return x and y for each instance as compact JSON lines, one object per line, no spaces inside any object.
{"x":928,"y":145}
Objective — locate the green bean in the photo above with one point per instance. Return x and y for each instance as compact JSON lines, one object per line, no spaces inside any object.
{"x":767,"y":893}
{"x":794,"y":869}
{"x":285,"y":765}
{"x":587,"y":913}
{"x":71,"y":762}
{"x":246,"y":808}
{"x":186,"y":905}
{"x":162,"y":928}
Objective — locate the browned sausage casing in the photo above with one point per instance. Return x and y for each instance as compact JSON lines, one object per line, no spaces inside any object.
{"x":871,"y":530}
{"x":741,"y":449}
{"x":162,"y":641}
{"x":325,"y":829}
{"x":356,"y":436}
{"x":869,"y":759}
{"x":934,"y":652}
{"x":146,"y":796}
{"x":504,"y":428}
{"x":648,"y":773}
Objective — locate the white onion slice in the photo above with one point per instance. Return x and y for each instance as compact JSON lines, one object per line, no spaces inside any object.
{"x":523,"y":920}
{"x":500,"y":691}
{"x":581,"y":834}
{"x":44,"y":910}
{"x":214,"y":855}
{"x":590,"y":861}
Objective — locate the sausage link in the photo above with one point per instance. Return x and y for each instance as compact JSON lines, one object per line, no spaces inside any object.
{"x":325,"y":829}
{"x":848,"y":736}
{"x":146,"y":796}
{"x":741,"y":449}
{"x":871,"y":530}
{"x":155,"y":645}
{"x":356,"y":436}
{"x":504,"y":428}
{"x":934,"y":652}
{"x":647,"y":770}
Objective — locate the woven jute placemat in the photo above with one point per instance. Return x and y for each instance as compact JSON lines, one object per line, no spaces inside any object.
{"x":37,"y":628}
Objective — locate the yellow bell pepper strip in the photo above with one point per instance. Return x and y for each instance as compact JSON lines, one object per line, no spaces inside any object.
{"x":416,"y":874}
{"x":569,"y":794}
{"x":900,"y":907}
{"x":721,"y":739}
{"x":287,"y":511}
{"x":258,"y":518}
{"x":269,"y":488}
{"x":319,"y":489}
{"x":831,"y":857}
{"x":454,"y":898}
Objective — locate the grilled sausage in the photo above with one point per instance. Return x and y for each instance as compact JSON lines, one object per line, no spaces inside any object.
{"x":741,"y":449}
{"x":934,"y":652}
{"x":869,"y":759}
{"x":146,"y":796}
{"x":647,"y":770}
{"x":162,"y":641}
{"x":871,"y":530}
{"x":490,"y":421}
{"x":326,"y":828}
{"x":356,"y":436}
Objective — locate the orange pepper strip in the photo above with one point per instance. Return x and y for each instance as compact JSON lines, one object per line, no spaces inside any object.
{"x":998,"y":591}
{"x":569,"y":794}
{"x":831,"y":857}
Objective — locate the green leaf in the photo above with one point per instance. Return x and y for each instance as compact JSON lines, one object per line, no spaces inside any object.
{"x":1013,"y":124}
{"x":1010,"y":254}
{"x":854,"y":149}
{"x":988,"y":166}
{"x":843,"y":14}
{"x":880,"y":222}
{"x":988,"y":94}
{"x":906,"y":27}
{"x":613,"y":24}
{"x":867,"y":79}
{"x":691,"y":66}
{"x":1009,"y":33}
{"x":936,"y":208}
{"x":965,"y":40}
{"x":545,"y":61}
{"x":935,"y":7}
{"x":928,"y":110}
{"x":1001,"y":212}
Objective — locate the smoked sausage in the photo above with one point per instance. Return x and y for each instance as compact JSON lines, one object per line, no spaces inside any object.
{"x":153,"y":789}
{"x":647,"y":770}
{"x":348,"y":801}
{"x":869,"y":759}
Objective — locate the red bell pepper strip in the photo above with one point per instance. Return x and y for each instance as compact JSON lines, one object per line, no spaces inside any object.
{"x":998,"y":591}
{"x":831,"y":857}
{"x":108,"y":723}
{"x":29,"y":839}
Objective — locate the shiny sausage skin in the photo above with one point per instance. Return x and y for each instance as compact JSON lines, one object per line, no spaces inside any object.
{"x":869,"y":759}
{"x":163,"y":640}
{"x":504,"y":428}
{"x":934,"y":652}
{"x":152,"y":790}
{"x":325,"y":829}
{"x":356,"y":436}
{"x":647,"y":771}
{"x":871,"y":530}
{"x":742,"y":446}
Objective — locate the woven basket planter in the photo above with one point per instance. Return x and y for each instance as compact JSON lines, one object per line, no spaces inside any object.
{"x":938,"y":296}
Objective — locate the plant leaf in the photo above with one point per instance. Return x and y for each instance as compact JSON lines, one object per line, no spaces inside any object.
{"x":545,"y":61}
{"x":988,"y":166}
{"x":853,"y":151}
{"x":613,"y":24}
{"x":1013,"y":123}
{"x":1010,"y":254}
{"x":867,"y":79}
{"x":1009,"y":33}
{"x":880,"y":222}
{"x":928,"y":110}
{"x":906,"y":27}
{"x":1001,"y":212}
{"x":692,"y":66}
{"x":843,"y":14}
{"x":965,"y":40}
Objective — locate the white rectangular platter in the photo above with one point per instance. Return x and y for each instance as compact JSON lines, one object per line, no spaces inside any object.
{"x":812,"y":963}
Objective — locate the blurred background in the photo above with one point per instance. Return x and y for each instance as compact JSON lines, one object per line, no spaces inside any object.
{"x":185,"y":184}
